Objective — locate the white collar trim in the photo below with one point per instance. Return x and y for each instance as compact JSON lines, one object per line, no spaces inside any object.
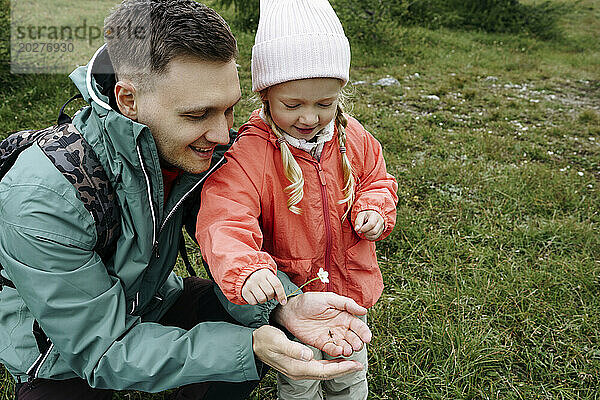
{"x":325,"y":135}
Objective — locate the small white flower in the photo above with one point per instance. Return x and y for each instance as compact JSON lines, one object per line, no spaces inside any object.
{"x":323,"y":275}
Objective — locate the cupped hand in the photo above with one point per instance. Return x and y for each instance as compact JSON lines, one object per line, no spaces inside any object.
{"x":326,"y":321}
{"x":294,"y":359}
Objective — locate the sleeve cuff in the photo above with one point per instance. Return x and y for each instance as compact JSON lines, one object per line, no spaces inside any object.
{"x":247,"y":360}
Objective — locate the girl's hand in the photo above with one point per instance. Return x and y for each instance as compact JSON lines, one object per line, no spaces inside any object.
{"x":370,"y":223}
{"x":262,"y":286}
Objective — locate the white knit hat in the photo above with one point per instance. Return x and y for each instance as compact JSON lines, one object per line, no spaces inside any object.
{"x":298,"y":39}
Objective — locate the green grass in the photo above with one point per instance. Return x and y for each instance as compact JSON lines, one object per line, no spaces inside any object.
{"x":493,"y":271}
{"x":58,"y":22}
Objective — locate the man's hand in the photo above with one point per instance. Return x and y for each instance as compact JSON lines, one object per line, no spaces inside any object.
{"x":262,"y":286}
{"x":294,"y":359}
{"x":370,"y":223}
{"x":326,"y":321}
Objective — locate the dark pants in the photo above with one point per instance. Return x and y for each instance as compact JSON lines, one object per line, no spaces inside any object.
{"x":198,"y":303}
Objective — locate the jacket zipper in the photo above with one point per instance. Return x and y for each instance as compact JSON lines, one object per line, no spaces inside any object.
{"x":135,"y":302}
{"x":149,"y":195}
{"x":325,"y":203}
{"x":187,"y":194}
{"x":155,"y":236}
{"x":183,"y":198}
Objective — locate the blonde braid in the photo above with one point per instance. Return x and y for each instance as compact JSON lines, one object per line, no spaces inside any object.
{"x":291,"y":169}
{"x":341,"y":122}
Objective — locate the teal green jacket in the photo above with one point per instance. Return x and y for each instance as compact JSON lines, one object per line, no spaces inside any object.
{"x":101,"y":317}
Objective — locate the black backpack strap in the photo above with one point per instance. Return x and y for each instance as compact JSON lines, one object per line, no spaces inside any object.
{"x":184,"y":255}
{"x":42,"y":341}
{"x":5,"y":282}
{"x":64,"y":118}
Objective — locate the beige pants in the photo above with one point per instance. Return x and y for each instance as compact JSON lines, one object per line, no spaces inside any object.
{"x":348,"y":387}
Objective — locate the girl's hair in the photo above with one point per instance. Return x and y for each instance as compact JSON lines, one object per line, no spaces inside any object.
{"x":292,"y":170}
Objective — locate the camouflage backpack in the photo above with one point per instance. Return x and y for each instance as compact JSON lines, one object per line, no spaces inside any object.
{"x":66,"y":148}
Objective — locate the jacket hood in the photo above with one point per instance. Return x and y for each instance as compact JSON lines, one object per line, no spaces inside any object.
{"x":96,"y":81}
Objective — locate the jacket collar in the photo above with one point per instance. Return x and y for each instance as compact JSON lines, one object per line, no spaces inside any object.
{"x":314,"y":146}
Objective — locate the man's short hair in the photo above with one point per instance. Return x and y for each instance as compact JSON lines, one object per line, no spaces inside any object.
{"x":143,"y":36}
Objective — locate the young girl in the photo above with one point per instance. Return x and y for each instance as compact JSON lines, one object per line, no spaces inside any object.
{"x":305,"y":186}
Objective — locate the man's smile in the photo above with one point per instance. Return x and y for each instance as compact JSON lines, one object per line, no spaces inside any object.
{"x":204,"y":152}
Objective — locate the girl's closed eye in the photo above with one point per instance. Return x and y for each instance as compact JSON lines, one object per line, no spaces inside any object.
{"x":325,"y":105}
{"x":291,"y":106}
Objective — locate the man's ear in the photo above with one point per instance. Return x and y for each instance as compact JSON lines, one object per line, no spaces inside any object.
{"x":125,"y":94}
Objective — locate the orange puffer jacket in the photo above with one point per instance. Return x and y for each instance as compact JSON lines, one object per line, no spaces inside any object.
{"x":244,"y":223}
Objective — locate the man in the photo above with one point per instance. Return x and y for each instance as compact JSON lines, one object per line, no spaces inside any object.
{"x":128,"y":322}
